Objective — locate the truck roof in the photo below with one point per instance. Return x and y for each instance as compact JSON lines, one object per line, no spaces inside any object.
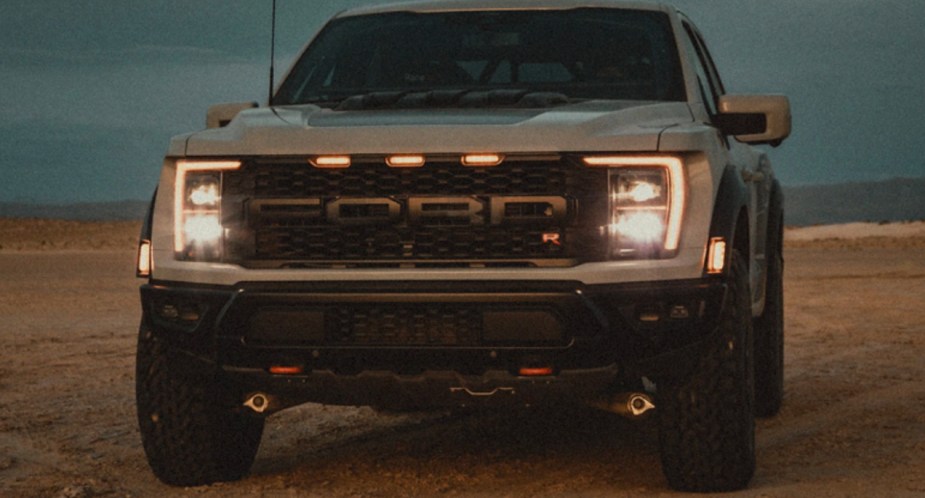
{"x":479,"y":5}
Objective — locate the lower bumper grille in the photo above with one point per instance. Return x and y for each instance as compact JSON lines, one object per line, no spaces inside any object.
{"x":403,"y":325}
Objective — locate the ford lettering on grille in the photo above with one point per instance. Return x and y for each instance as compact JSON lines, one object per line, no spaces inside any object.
{"x":424,"y":210}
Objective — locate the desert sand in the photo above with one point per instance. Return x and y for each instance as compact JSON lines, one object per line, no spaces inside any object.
{"x":853,"y":422}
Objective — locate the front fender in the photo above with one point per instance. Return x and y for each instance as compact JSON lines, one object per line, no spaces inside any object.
{"x":732,"y":198}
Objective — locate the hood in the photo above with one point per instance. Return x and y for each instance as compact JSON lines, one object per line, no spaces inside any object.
{"x":309,"y":130}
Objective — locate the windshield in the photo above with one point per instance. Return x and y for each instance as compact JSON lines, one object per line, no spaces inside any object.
{"x":577,"y":54}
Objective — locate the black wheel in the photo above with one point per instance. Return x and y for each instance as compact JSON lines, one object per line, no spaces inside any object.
{"x":707,"y":421}
{"x":769,"y":328}
{"x":190,"y":434}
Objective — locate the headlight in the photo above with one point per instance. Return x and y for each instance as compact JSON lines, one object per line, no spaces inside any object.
{"x":198,"y":231}
{"x":647,"y":195}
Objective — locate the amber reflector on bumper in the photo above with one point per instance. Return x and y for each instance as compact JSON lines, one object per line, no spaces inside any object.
{"x":286,"y":370}
{"x":535,"y":371}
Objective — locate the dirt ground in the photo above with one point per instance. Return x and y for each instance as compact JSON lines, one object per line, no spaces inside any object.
{"x":853,"y":422}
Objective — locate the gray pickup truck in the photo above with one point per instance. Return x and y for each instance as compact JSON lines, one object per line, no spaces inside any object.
{"x":472,"y":203}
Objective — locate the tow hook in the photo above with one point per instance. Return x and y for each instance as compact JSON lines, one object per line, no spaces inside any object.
{"x":482,"y":394}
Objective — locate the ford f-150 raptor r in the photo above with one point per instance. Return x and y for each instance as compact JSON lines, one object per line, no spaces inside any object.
{"x":472,"y":202}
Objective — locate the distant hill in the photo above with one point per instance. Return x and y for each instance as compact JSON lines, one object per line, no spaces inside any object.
{"x":84,"y":211}
{"x":899,"y":199}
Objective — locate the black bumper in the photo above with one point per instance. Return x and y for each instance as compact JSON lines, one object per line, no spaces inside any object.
{"x":448,"y":343}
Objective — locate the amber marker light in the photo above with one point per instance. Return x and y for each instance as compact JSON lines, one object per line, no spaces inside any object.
{"x":143,"y":266}
{"x":716,"y":255}
{"x":482,"y":159}
{"x":331,"y":162}
{"x":405,"y":161}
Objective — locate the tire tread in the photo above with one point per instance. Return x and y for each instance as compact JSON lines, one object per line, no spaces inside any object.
{"x":190,"y":435}
{"x":706,"y":423}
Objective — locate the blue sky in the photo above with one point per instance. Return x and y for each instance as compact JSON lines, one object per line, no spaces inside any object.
{"x":91,"y":91}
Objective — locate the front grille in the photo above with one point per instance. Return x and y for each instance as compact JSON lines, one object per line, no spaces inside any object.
{"x":286,"y":213}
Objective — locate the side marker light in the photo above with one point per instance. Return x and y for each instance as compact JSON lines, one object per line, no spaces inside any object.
{"x":716,"y":255}
{"x":143,"y":265}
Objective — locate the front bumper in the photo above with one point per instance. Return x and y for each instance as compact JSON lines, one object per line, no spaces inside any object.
{"x":447,"y":343}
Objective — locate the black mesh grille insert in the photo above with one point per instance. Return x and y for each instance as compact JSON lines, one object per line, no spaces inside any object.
{"x":360,"y":243}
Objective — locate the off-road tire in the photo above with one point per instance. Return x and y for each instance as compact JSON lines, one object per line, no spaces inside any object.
{"x":189,"y":432}
{"x":769,"y":327}
{"x":707,"y":421}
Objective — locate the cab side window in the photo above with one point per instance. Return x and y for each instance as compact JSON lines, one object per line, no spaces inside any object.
{"x":710,"y":85}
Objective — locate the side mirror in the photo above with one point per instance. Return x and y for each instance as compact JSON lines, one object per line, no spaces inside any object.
{"x":221,"y":114}
{"x":755,"y":119}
